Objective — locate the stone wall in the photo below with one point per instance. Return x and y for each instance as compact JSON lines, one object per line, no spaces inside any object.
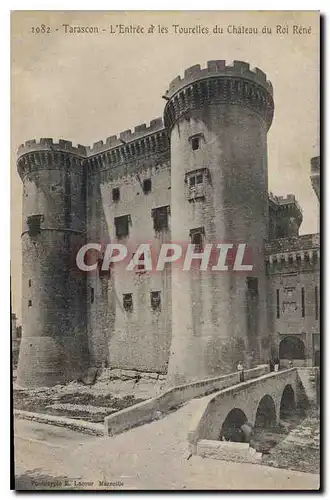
{"x":138,"y":339}
{"x":235,"y":206}
{"x":157,"y":407}
{"x":288,"y":313}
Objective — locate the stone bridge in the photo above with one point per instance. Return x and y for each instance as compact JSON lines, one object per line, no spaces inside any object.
{"x":260,"y":401}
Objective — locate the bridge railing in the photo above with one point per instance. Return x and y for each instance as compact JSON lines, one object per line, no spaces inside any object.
{"x":200,"y":423}
{"x":152,"y":408}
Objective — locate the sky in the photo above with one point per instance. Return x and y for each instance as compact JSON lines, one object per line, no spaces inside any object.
{"x":86,"y":87}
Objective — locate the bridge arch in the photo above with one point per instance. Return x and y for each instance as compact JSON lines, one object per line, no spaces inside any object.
{"x":231,"y":427}
{"x":288,"y":401}
{"x":266,"y":412}
{"x":291,"y":347}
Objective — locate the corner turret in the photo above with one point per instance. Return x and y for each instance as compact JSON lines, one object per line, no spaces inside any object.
{"x":285,"y":216}
{"x":54,"y":343}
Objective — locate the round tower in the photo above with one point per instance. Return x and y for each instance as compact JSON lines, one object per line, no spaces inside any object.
{"x":54,"y":343}
{"x":218,"y":120}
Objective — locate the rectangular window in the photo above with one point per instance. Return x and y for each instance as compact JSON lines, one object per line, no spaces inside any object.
{"x":30,"y":303}
{"x":128,"y":302}
{"x":302,"y":302}
{"x":30,"y":283}
{"x":252,"y":284}
{"x":196,"y":184}
{"x":122,"y":226}
{"x":92,"y":295}
{"x":197,"y":238}
{"x":34,"y":224}
{"x":316,"y":304}
{"x":115,"y":194}
{"x":155,"y":300}
{"x":146,"y":186}
{"x":160,"y":217}
{"x":277,"y":303}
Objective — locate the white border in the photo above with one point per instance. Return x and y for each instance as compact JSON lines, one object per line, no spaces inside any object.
{"x":5,"y":7}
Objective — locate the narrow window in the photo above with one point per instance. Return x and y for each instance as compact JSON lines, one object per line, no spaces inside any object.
{"x":141,"y":263}
{"x":316,"y":304}
{"x":195,"y":143}
{"x":140,"y":268}
{"x":30,"y":283}
{"x":128,"y":302}
{"x":277,"y":303}
{"x":155,"y":300}
{"x":30,"y":303}
{"x":103,"y":272}
{"x":160,"y":218}
{"x":252,"y":285}
{"x":122,"y":226}
{"x":192,"y":181}
{"x":302,"y":302}
{"x":199,"y":179}
{"x":115,"y":194}
{"x":146,"y":186}
{"x":92,"y":295}
{"x":197,"y":238}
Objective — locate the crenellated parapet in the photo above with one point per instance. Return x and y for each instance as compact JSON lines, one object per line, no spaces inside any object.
{"x":129,"y":147}
{"x":289,"y":254}
{"x":114,"y":141}
{"x":283,"y":200}
{"x":47,"y":154}
{"x":214,"y":68}
{"x":219,"y":83}
{"x":49,"y":144}
{"x":288,"y":202}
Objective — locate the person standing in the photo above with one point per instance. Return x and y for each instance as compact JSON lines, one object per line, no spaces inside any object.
{"x":240,"y":369}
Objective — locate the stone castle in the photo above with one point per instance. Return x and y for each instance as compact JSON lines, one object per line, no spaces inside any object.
{"x":200,"y":176}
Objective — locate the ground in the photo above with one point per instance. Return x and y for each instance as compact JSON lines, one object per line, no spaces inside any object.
{"x":299,"y":446}
{"x":152,"y":456}
{"x":44,"y":452}
{"x":75,"y":400}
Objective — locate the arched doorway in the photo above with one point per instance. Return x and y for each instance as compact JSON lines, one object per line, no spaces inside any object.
{"x":288,"y":403}
{"x":231,"y":428}
{"x":266,"y":412}
{"x":292,"y":347}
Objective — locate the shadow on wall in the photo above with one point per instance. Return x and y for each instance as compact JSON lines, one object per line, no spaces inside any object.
{"x":100,"y":301}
